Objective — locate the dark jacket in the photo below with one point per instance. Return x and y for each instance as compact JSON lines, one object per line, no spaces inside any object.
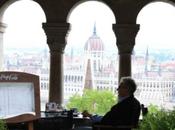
{"x":126,"y":112}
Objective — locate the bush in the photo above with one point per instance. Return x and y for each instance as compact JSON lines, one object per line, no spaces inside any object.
{"x":158,"y":120}
{"x":2,"y":125}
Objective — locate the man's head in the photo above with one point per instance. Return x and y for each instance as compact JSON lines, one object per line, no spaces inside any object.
{"x":126,"y":87}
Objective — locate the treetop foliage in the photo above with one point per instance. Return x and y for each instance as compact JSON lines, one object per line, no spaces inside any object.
{"x":94,"y":101}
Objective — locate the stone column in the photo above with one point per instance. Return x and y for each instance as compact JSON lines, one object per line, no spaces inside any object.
{"x":2,"y":30}
{"x":125,"y":34}
{"x":56,"y":40}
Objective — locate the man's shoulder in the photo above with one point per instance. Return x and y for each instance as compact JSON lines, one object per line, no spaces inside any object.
{"x":127,"y":102}
{"x":131,"y":100}
{"x":136,"y":100}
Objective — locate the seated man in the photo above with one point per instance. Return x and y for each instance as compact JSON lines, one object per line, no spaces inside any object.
{"x":125,"y":112}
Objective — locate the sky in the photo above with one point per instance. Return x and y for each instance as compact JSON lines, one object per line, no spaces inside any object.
{"x":25,"y":29}
{"x":157,"y":26}
{"x":85,"y":16}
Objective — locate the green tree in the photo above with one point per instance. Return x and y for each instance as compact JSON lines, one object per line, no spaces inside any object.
{"x":98,"y":102}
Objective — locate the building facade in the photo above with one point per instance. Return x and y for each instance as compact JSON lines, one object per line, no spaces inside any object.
{"x":94,"y":69}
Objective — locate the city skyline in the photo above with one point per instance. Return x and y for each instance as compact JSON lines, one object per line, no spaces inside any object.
{"x":147,"y":79}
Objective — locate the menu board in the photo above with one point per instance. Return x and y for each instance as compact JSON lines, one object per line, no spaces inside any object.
{"x":19,"y":96}
{"x":16,"y":99}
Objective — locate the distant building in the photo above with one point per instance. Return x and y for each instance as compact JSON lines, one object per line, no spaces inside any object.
{"x":93,"y":69}
{"x":156,"y":84}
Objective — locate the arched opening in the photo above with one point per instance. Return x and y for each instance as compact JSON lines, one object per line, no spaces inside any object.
{"x":153,"y":59}
{"x":24,"y":42}
{"x":91,"y":52}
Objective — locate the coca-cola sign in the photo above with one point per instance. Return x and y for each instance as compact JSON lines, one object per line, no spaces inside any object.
{"x":8,"y":77}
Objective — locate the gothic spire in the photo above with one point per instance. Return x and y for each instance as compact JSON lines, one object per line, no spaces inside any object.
{"x":94,"y":31}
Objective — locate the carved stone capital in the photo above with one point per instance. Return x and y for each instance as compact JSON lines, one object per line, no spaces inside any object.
{"x":125,"y":34}
{"x":56,"y":35}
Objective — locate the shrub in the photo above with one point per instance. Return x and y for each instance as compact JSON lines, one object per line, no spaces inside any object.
{"x":2,"y":125}
{"x":158,"y":120}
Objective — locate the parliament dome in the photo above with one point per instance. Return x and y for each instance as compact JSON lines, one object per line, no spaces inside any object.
{"x":94,"y":43}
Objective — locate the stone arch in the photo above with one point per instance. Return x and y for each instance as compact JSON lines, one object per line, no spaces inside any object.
{"x":8,"y":3}
{"x":83,"y":1}
{"x":166,"y":2}
{"x":155,"y":21}
{"x":171,"y":2}
{"x":3,"y":9}
{"x":95,"y":64}
{"x":102,"y":3}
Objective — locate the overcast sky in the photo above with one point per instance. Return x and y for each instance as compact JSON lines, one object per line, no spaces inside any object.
{"x":157,"y":28}
{"x":24,"y":20}
{"x":24,"y":29}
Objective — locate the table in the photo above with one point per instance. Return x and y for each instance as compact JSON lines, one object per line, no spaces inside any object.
{"x":53,"y":121}
{"x":60,"y":121}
